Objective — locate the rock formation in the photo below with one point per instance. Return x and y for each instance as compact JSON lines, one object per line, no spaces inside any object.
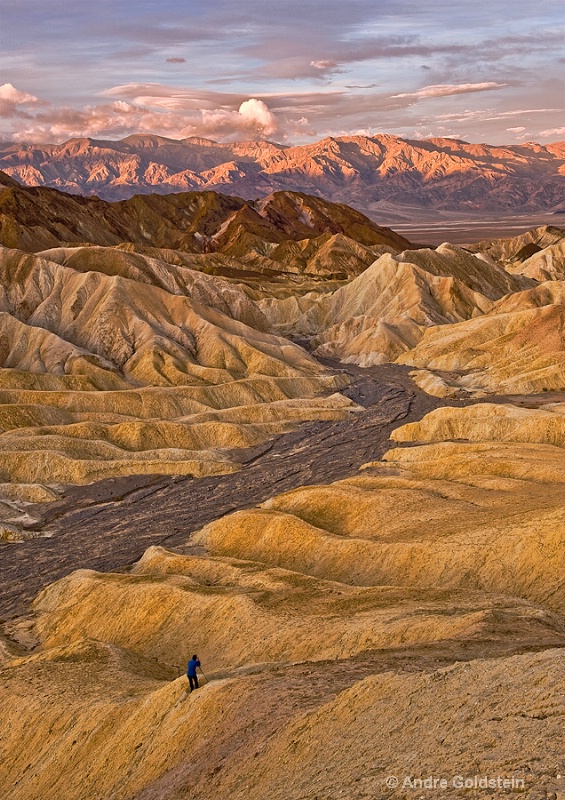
{"x":384,"y":312}
{"x":387,"y":624}
{"x":519,"y":352}
{"x":115,"y":363}
{"x":361,"y":633}
{"x":191,"y":222}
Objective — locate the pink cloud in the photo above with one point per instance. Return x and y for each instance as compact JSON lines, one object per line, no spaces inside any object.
{"x":325,"y":64}
{"x":553,"y":132}
{"x":445,"y":90}
{"x":11,"y":99}
{"x":253,"y":119}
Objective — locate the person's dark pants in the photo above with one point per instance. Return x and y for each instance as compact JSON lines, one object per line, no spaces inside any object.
{"x":193,"y":681}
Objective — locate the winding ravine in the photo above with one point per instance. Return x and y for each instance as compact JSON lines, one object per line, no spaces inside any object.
{"x":107,"y":525}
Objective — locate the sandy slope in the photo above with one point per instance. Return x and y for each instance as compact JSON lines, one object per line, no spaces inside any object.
{"x":406,"y":619}
{"x":107,"y":356}
{"x":384,"y":312}
{"x":414,"y":597}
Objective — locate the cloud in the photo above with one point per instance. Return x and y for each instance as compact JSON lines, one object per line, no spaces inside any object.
{"x":552,"y":132}
{"x":283,"y":54}
{"x":516,"y":130}
{"x":324,"y":64}
{"x":251,"y":120}
{"x":257,"y":114}
{"x":179,"y":112}
{"x":10,"y":94}
{"x":308,"y":56}
{"x":298,"y":53}
{"x":161,"y":95}
{"x":11,"y":99}
{"x":292,"y":68}
{"x":445,"y":90}
{"x":490,"y":115}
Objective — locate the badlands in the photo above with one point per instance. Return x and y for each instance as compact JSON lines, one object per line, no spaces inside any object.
{"x":327,"y":460}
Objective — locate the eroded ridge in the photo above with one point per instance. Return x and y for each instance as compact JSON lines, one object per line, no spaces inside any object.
{"x":421,"y":596}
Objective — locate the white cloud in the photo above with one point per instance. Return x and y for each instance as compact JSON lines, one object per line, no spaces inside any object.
{"x":445,"y":90}
{"x":257,"y":113}
{"x":553,"y":132}
{"x":516,"y":130}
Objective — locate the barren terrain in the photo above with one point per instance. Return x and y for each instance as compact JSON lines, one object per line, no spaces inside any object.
{"x":329,"y":462}
{"x":91,"y":527}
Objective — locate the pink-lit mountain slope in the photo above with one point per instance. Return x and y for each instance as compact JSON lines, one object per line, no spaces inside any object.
{"x":443,"y":174}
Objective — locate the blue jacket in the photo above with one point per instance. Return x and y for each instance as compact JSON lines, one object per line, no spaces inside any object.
{"x":191,"y":669}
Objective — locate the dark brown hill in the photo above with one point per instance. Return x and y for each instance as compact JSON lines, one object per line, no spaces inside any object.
{"x":38,"y":218}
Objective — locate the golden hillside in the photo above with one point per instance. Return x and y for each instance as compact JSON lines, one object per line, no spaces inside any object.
{"x":518,"y":352}
{"x":384,"y":311}
{"x":109,"y":360}
{"x":188,"y":386}
{"x":345,"y":630}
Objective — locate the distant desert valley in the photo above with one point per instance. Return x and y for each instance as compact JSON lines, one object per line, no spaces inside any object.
{"x":256,"y":404}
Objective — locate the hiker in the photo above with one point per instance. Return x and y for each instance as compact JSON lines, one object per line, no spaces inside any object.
{"x":191,"y":672}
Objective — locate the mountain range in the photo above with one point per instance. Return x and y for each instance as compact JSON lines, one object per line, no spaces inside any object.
{"x":369,"y":173}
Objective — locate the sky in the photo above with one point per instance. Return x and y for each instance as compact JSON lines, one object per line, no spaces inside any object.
{"x":290,"y":71}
